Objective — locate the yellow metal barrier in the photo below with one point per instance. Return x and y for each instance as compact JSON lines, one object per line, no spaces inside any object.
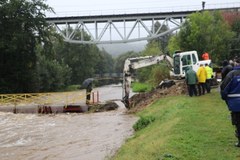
{"x":61,"y":98}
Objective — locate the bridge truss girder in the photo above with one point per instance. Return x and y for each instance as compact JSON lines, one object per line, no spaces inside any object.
{"x":116,"y":28}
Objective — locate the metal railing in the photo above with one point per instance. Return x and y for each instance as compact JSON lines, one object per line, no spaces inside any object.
{"x":55,"y":98}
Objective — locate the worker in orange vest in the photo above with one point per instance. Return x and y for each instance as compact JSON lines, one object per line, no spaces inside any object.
{"x":205,"y":56}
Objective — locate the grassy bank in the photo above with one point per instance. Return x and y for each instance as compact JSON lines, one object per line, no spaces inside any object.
{"x":184,"y":129}
{"x":141,"y":87}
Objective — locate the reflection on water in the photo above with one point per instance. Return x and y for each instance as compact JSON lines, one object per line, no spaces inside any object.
{"x":65,"y":136}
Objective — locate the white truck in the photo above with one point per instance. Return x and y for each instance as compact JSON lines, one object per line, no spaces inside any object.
{"x":178,"y":64}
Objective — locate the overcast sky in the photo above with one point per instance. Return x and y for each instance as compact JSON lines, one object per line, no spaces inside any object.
{"x":97,"y":7}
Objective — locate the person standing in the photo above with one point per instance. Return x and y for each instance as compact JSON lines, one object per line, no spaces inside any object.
{"x":230,"y":92}
{"x":209,"y":71}
{"x":226,"y":68}
{"x":88,"y":93}
{"x":191,"y":80}
{"x":202,"y":76}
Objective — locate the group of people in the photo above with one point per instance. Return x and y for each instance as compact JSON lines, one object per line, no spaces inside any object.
{"x":201,"y":79}
{"x":230,"y":92}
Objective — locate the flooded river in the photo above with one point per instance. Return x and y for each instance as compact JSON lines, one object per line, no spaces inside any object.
{"x":76,"y":136}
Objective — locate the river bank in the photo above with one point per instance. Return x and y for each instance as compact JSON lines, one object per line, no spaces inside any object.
{"x":185,"y":128}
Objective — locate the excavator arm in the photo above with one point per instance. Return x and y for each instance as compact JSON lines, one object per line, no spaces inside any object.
{"x":132,"y":64}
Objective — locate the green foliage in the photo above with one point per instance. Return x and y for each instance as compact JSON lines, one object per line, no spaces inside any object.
{"x":80,"y":58}
{"x":156,"y":73}
{"x":152,"y":49}
{"x":34,"y":57}
{"x":105,"y":63}
{"x":23,"y":26}
{"x":52,"y":75}
{"x":85,"y":60}
{"x":162,"y":41}
{"x":235,"y":48}
{"x":119,"y":61}
{"x":159,"y":73}
{"x":143,"y":122}
{"x":173,"y":45}
{"x":141,"y":87}
{"x":205,"y":31}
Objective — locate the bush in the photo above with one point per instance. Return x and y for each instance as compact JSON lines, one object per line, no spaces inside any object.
{"x":143,"y":122}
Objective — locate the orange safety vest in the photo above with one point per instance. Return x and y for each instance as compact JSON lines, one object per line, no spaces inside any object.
{"x":205,"y":56}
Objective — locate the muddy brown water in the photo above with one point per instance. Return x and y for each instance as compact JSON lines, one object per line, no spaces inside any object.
{"x":76,"y":136}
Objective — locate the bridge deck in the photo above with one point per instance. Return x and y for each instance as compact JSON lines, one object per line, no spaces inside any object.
{"x":121,"y":28}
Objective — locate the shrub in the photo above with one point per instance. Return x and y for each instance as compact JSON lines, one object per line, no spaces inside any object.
{"x":143,"y":122}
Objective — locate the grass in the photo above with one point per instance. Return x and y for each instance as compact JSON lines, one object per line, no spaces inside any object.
{"x":141,"y":87}
{"x":185,"y":128}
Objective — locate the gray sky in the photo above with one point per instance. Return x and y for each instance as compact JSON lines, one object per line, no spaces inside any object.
{"x":98,"y":7}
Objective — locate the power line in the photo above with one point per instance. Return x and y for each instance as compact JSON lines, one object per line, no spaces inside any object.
{"x":146,"y":9}
{"x":153,"y":2}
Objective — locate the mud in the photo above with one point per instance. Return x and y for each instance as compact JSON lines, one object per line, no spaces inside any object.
{"x":143,"y":100}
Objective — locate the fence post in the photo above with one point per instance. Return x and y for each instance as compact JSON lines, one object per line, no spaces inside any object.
{"x":93,"y":97}
{"x":15,"y":104}
{"x":97,"y":97}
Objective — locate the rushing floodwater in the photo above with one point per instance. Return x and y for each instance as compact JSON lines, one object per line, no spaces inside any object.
{"x":74,"y":136}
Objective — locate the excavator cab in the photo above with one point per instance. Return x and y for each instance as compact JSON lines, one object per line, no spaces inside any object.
{"x":183,"y":60}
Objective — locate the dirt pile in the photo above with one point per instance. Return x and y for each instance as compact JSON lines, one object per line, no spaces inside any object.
{"x":142,"y":100}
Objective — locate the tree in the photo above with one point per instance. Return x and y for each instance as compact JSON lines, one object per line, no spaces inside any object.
{"x":120,"y":60}
{"x":156,"y":73}
{"x":152,"y":49}
{"x":80,"y":58}
{"x":163,"y":40}
{"x":105,"y":63}
{"x":235,"y":48}
{"x":85,"y":60}
{"x":52,"y":75}
{"x":206,"y":31}
{"x":22,"y":27}
{"x":173,"y":44}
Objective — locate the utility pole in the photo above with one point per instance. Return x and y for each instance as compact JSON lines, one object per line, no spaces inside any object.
{"x":203,"y":5}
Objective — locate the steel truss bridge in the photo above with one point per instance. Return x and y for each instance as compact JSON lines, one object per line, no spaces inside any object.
{"x":120,"y":28}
